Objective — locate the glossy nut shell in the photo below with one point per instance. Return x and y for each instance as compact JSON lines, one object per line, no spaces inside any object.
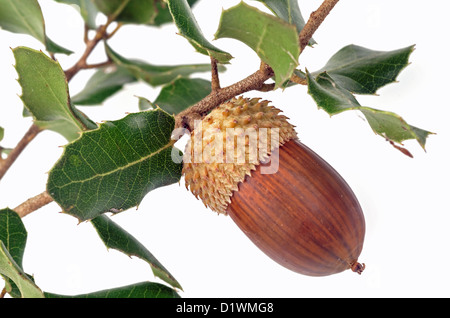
{"x":304,"y":216}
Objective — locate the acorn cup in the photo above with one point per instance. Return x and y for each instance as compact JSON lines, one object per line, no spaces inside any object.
{"x":244,"y":160}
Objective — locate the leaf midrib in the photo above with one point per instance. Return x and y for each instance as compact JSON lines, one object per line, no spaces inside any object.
{"x":101,"y":175}
{"x":64,"y":106}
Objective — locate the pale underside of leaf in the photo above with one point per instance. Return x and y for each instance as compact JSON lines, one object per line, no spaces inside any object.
{"x":189,"y":28}
{"x":289,"y":11}
{"x":273,"y":40}
{"x":155,"y":74}
{"x":10,"y":269}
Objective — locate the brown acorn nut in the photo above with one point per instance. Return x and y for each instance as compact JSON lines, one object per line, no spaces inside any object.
{"x":301,"y":213}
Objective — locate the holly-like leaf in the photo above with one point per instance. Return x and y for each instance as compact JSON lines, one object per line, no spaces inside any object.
{"x":182,"y":93}
{"x":2,"y":133}
{"x":155,"y":74}
{"x":45,"y":94}
{"x":113,"y":167}
{"x":87,"y":9}
{"x":189,"y":28}
{"x":25,"y":17}
{"x":138,"y":290}
{"x":289,"y":11}
{"x":274,"y":40}
{"x":104,"y":83}
{"x":334,"y":99}
{"x":363,"y":71}
{"x":128,"y":11}
{"x":117,"y":238}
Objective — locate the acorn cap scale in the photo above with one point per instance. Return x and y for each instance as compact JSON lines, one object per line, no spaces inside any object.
{"x":244,"y":160}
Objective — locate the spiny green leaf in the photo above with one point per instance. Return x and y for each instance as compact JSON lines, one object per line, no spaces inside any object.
{"x":392,"y":126}
{"x":155,"y":74}
{"x":25,"y":16}
{"x":182,"y":93}
{"x":189,"y":28}
{"x":138,"y":290}
{"x":364,"y":71}
{"x":335,"y":99}
{"x":113,"y":167}
{"x":289,"y":11}
{"x":87,"y":10}
{"x":45,"y":94}
{"x":274,"y":40}
{"x":117,"y":238}
{"x":104,"y":83}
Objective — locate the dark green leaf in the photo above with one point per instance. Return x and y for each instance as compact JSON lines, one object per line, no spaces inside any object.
{"x":25,"y":16}
{"x":274,"y":40}
{"x":104,"y":83}
{"x":117,"y":238}
{"x":335,"y":99}
{"x":113,"y":167}
{"x":364,"y":71}
{"x":13,"y":234}
{"x":87,"y":10}
{"x":189,"y":28}
{"x":128,"y":11}
{"x":289,"y":11}
{"x":2,"y":133}
{"x":155,"y":74}
{"x":138,"y":290}
{"x":45,"y":94}
{"x":182,"y":93}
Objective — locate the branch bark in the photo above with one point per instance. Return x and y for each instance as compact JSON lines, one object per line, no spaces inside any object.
{"x":185,"y":119}
{"x":5,"y":164}
{"x":315,"y":20}
{"x":255,"y":81}
{"x":90,"y":46}
{"x":33,"y":204}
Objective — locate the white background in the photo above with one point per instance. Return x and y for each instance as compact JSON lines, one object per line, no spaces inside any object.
{"x":405,"y":200}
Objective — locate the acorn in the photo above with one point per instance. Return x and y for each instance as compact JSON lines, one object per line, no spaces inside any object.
{"x":244,"y":160}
